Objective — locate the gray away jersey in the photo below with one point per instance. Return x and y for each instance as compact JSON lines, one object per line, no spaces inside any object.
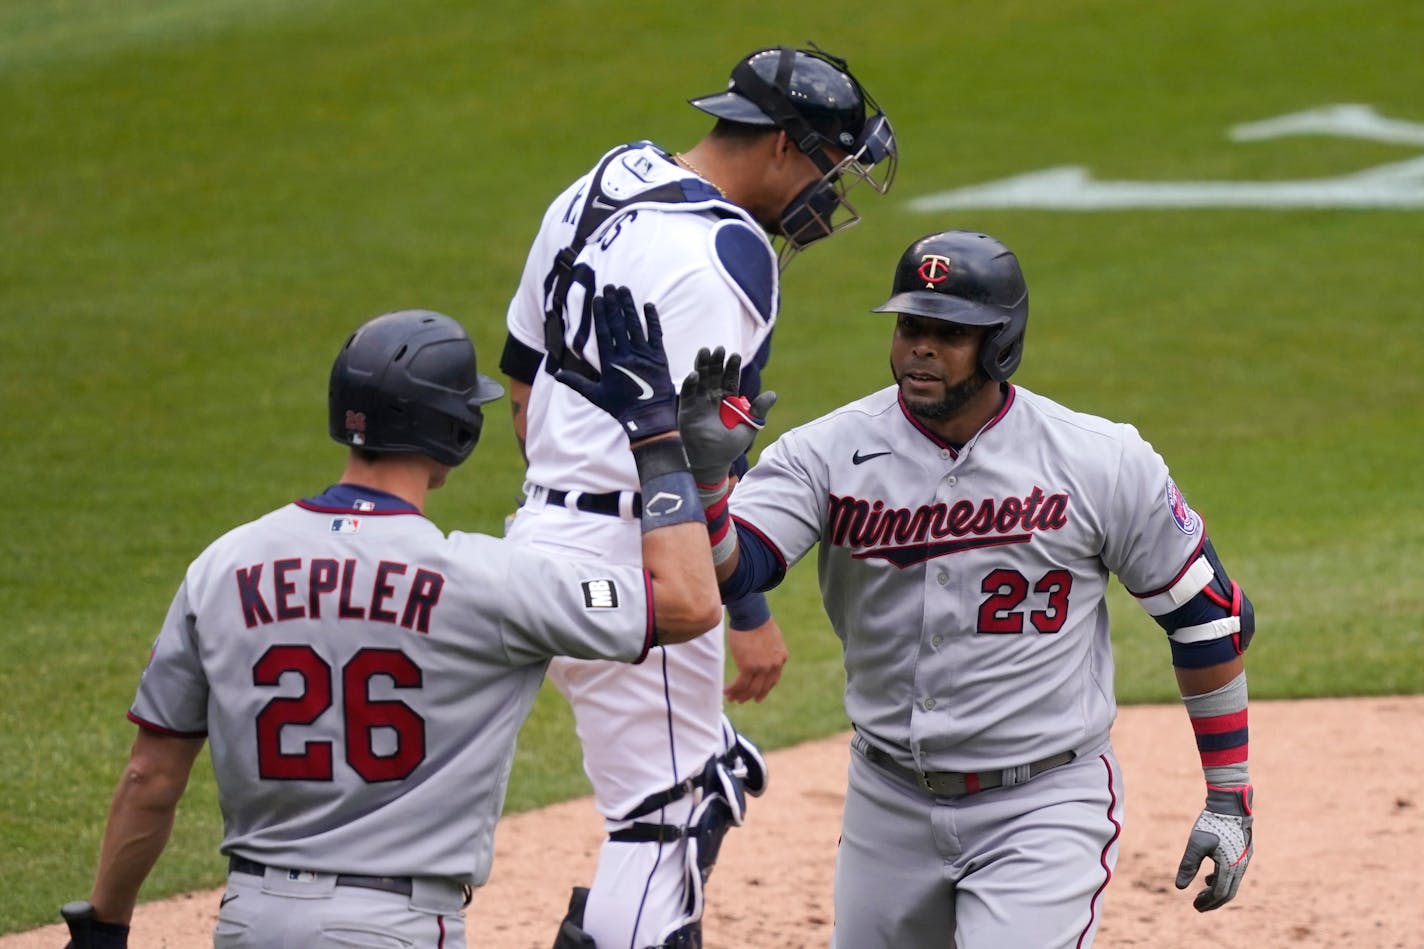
{"x":967,"y":587}
{"x":361,"y":678}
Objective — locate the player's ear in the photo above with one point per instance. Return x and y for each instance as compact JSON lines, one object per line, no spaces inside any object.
{"x":783,"y":147}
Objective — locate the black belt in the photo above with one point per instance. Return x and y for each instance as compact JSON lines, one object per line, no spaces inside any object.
{"x":592,"y":503}
{"x":643,"y":833}
{"x":401,"y":885}
{"x":956,"y":782}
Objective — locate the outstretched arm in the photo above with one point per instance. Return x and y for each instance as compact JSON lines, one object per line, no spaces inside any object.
{"x":634,"y":387}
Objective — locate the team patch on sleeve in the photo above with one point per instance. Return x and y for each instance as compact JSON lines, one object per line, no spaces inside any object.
{"x":1187,"y":519}
{"x":600,"y":595}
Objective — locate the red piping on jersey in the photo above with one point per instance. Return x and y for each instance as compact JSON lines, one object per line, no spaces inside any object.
{"x":953,"y":451}
{"x":160,"y":730}
{"x":1103,"y":859}
{"x":650,"y":634}
{"x":1196,"y":552}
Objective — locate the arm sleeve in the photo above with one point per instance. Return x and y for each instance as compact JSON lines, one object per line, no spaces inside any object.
{"x":172,"y":694}
{"x":778,"y":509}
{"x":1160,"y":551}
{"x":1153,"y":536}
{"x":748,"y":612}
{"x":519,"y":361}
{"x":560,"y":607}
{"x":759,"y":567}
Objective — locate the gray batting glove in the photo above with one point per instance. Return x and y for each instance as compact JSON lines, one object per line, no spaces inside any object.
{"x":1223,"y":833}
{"x":717,"y":423}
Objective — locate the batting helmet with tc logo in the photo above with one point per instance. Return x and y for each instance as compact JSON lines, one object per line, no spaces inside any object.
{"x":970,"y":278}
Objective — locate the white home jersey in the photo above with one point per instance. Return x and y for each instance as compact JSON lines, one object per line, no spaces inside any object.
{"x":356,"y":671}
{"x":967,"y":586}
{"x":703,"y":261}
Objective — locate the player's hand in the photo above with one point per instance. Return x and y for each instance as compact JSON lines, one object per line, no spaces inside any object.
{"x":718,"y":424}
{"x":634,"y":386}
{"x":1223,"y":833}
{"x":759,"y":655}
{"x":104,"y":936}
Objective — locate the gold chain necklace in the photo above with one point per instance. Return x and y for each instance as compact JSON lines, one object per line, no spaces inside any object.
{"x":681,"y":159}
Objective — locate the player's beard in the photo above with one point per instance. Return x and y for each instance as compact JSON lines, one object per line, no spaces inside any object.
{"x":955,"y":398}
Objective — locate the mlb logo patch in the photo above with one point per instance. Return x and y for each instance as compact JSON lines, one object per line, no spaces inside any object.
{"x":1186,"y":518}
{"x":600,"y":595}
{"x":345,"y":525}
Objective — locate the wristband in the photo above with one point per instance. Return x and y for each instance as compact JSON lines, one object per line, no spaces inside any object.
{"x":660,"y":457}
{"x":749,"y":612}
{"x":723,"y":549}
{"x":712,"y":493}
{"x":1219,"y":723}
{"x":719,"y":524}
{"x":670,"y":498}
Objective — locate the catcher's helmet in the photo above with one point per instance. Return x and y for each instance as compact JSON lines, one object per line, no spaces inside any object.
{"x":813,"y":97}
{"x":407,"y":382}
{"x":970,"y":278}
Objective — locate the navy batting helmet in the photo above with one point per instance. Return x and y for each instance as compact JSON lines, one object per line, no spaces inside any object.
{"x":813,"y":97}
{"x":406,"y":382}
{"x":970,"y":278}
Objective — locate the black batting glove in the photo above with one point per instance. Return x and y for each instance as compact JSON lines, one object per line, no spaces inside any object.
{"x":633,"y":386}
{"x":105,"y":936}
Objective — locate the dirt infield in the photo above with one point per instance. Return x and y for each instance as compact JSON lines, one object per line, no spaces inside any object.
{"x":1340,"y":827}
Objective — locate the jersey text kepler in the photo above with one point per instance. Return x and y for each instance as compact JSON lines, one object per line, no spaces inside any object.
{"x":318,"y":581}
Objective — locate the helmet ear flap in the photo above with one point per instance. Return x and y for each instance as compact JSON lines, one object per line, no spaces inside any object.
{"x":1001,"y":352}
{"x":471,"y":429}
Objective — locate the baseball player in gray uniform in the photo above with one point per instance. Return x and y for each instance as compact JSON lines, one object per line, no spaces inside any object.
{"x":689,"y":232}
{"x":361,"y":675}
{"x":966,"y":528}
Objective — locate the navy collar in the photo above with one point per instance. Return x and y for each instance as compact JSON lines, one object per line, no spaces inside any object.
{"x":356,"y":499}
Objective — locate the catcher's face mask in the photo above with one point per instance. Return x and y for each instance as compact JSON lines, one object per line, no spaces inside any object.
{"x":813,"y":97}
{"x":823,"y":207}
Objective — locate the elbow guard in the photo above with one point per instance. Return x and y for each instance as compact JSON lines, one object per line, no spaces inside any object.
{"x":1207,"y":617}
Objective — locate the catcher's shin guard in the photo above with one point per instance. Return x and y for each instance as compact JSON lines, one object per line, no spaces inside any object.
{"x":571,"y":934}
{"x":688,"y":937}
{"x":744,"y":760}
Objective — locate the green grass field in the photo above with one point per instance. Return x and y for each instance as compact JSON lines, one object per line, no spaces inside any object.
{"x":200,"y":197}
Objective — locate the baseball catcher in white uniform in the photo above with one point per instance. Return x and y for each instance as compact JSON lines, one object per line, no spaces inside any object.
{"x":965,"y":529}
{"x":361,"y":675}
{"x":695,"y":234}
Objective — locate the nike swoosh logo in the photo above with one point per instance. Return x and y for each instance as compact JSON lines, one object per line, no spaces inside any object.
{"x":603,"y":205}
{"x":858,"y":458}
{"x":228,"y":899}
{"x":645,"y":391}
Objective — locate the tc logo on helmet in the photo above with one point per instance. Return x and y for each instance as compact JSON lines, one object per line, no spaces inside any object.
{"x":356,"y":427}
{"x":933,"y":269}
